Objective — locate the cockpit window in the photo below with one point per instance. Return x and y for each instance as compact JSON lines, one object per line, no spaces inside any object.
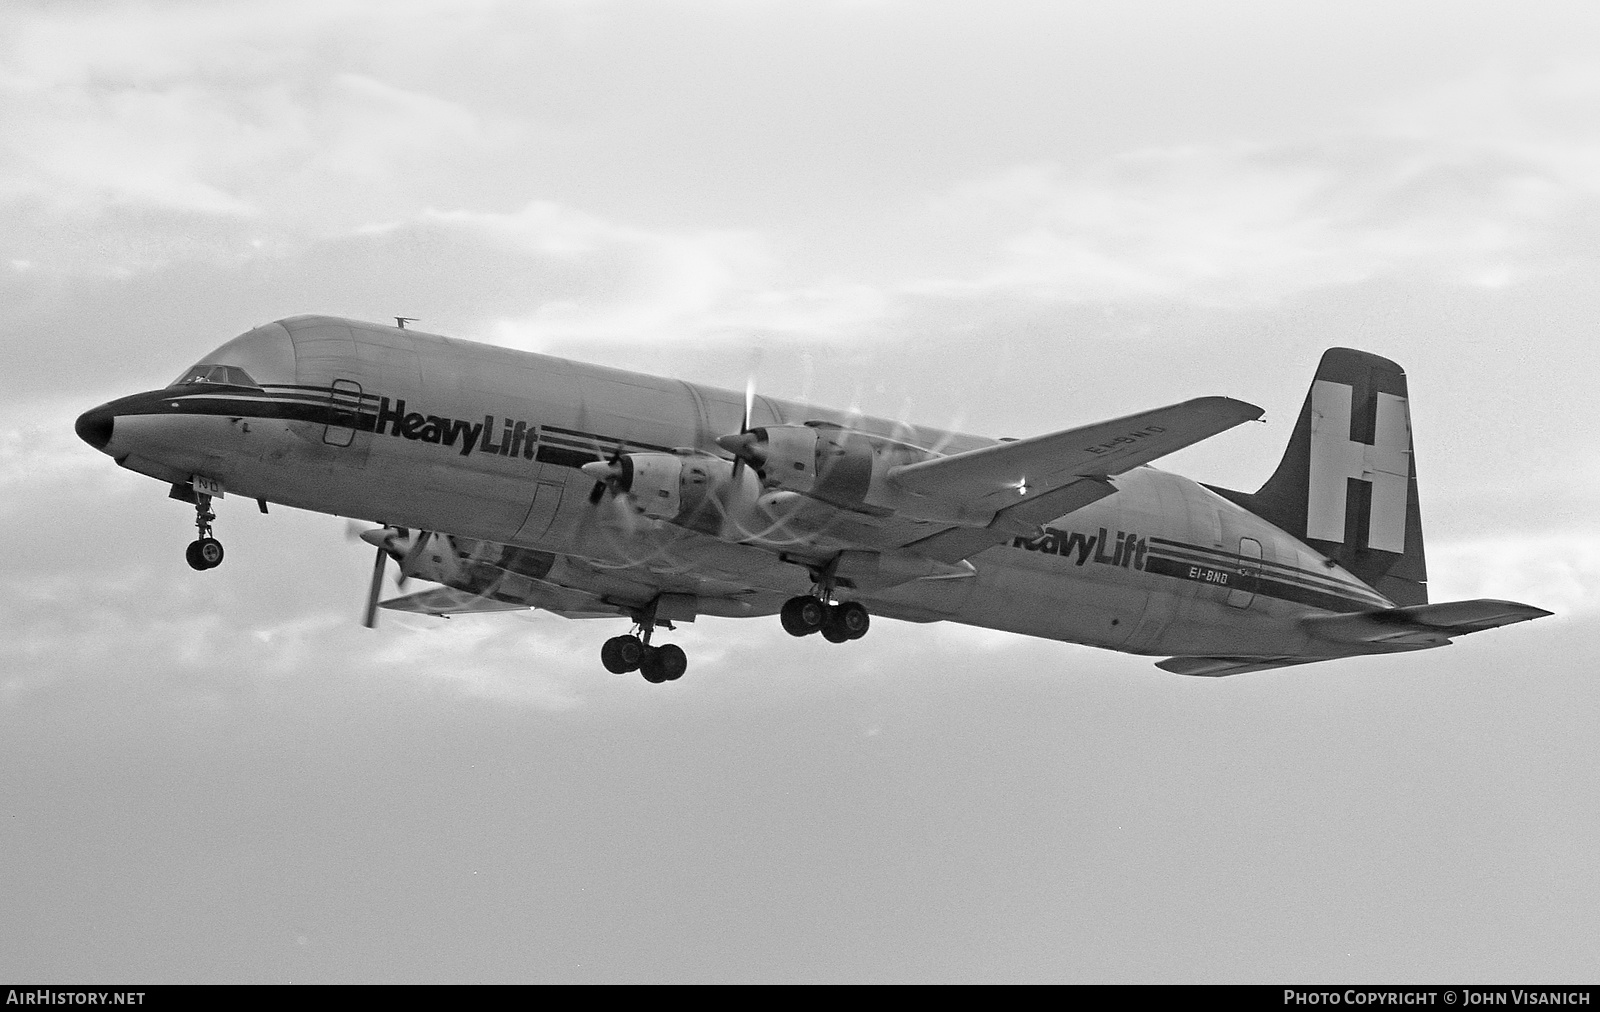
{"x":230,"y":375}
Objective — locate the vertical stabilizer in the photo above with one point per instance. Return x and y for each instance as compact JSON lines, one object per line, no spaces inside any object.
{"x":1347,"y":485}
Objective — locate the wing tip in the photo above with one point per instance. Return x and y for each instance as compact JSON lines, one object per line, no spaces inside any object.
{"x":1244,"y":410}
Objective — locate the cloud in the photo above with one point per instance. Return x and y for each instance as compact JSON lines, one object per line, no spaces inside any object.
{"x":193,"y":146}
{"x":99,"y":596}
{"x":238,"y":120}
{"x":1557,"y":571}
{"x":627,"y":283}
{"x":1477,"y":198}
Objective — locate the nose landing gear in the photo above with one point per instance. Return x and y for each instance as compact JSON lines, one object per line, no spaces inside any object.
{"x":205,"y":552}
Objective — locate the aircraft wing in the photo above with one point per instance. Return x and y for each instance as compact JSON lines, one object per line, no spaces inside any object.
{"x":1029,"y":482}
{"x":1024,"y":518}
{"x":1216,"y":667}
{"x":999,"y":476}
{"x":447,"y":601}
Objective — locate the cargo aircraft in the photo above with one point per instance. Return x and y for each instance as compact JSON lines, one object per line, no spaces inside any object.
{"x":515,"y":481}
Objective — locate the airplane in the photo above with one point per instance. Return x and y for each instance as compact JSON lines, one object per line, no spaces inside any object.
{"x":516,"y":480}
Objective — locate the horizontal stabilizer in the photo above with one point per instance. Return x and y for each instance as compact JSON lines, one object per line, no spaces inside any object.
{"x":1216,"y":667}
{"x":993,"y":476}
{"x":1421,"y":624}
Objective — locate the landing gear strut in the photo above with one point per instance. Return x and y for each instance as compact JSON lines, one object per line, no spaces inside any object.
{"x":205,"y":552}
{"x":809,"y":613}
{"x":633,"y":652}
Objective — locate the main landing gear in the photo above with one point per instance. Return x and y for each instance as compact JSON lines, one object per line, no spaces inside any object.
{"x":838,"y":623}
{"x":205,"y":552}
{"x":801,"y":616}
{"x":665,"y":663}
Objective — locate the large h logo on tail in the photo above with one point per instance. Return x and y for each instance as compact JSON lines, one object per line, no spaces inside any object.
{"x":1335,"y":458}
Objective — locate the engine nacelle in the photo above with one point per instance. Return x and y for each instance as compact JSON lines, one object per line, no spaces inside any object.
{"x":653,"y":482}
{"x":786,"y":456}
{"x":825,"y":461}
{"x":668,"y":486}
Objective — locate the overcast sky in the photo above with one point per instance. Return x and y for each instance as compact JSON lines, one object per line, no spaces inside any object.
{"x":1005,"y":217}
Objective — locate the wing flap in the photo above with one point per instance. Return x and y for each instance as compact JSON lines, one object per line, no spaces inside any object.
{"x":566,"y":601}
{"x":995,"y":475}
{"x":445,"y":601}
{"x":1022,"y":519}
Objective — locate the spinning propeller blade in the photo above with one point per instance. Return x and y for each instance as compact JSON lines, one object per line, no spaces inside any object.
{"x":370,"y":617}
{"x":744,"y":427}
{"x":607,"y":473}
{"x":385,"y":540}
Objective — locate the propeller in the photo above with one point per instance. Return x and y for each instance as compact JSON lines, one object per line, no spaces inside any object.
{"x":609,"y":475}
{"x":369,"y":618}
{"x":742,"y":444}
{"x":744,"y":427}
{"x":614,"y":475}
{"x":388,"y":541}
{"x":380,"y":537}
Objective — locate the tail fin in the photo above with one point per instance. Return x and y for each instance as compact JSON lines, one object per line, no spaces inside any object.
{"x":1347,"y":485}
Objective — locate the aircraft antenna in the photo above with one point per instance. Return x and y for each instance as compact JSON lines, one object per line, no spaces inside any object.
{"x":401,"y":321}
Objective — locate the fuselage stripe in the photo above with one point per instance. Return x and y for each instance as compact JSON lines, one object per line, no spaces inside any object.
{"x":1342,"y":590}
{"x":1253,"y":583}
{"x":345,"y":408}
{"x":1309,"y":580}
{"x":1221,"y":555}
{"x":588,"y":440}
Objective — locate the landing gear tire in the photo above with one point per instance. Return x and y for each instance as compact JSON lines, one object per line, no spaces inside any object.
{"x":672,"y":661}
{"x":651,"y":666}
{"x":852,"y":616}
{"x":622,"y":654}
{"x":205,"y":553}
{"x":846,"y":622}
{"x":802,"y":616}
{"x":665,"y":663}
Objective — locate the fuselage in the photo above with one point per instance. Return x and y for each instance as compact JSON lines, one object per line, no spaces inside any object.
{"x":430,"y":433}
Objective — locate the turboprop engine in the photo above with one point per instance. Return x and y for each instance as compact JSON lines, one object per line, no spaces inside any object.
{"x":840,"y":466}
{"x":676,"y":487}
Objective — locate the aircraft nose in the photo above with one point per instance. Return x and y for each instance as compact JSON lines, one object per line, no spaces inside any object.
{"x":94,"y":426}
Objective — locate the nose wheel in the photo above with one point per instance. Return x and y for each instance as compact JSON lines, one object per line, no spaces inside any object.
{"x":205,"y":552}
